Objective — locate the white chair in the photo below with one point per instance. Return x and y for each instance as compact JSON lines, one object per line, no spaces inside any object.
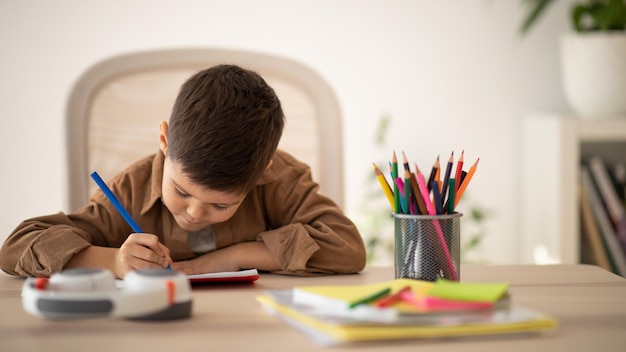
{"x":115,"y":107}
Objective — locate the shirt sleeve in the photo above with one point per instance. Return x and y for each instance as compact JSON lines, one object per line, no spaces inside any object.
{"x":43,"y":245}
{"x":309,"y":234}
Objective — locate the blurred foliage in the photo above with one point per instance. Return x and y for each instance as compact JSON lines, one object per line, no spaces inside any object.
{"x":585,"y":16}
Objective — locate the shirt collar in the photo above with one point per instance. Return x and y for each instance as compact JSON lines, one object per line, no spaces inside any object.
{"x":156,"y":181}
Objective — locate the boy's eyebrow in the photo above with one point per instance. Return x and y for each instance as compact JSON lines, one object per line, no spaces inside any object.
{"x":219,"y":204}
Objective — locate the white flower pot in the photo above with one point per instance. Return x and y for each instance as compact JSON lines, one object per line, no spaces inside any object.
{"x":593,"y":68}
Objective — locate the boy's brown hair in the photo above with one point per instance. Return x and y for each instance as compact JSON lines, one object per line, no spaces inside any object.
{"x":225,"y":127}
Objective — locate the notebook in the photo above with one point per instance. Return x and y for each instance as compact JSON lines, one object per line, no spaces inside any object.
{"x":249,"y":275}
{"x":241,"y":276}
{"x":333,"y":324}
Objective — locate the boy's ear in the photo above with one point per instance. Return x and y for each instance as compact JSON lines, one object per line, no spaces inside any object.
{"x":163,"y":136}
{"x":269,"y":164}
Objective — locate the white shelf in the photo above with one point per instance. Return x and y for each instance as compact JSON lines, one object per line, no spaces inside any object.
{"x":553,"y":145}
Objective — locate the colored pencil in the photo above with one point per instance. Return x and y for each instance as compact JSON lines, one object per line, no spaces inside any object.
{"x":403,"y":203}
{"x":438,"y":173}
{"x":118,"y":206}
{"x":384,"y":185}
{"x":410,"y":205}
{"x":392,"y":298}
{"x":394,"y":174}
{"x":465,"y":182}
{"x":418,"y":195}
{"x":437,"y":198}
{"x":407,"y":183}
{"x":446,"y":177}
{"x":370,"y":298}
{"x":463,"y":174}
{"x":449,"y":265}
{"x":450,"y":201}
{"x":459,"y":169}
{"x":405,"y":162}
{"x":433,"y":173}
{"x":116,"y":203}
{"x":421,"y":182}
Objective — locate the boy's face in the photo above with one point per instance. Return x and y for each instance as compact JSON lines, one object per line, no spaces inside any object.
{"x":193,"y":206}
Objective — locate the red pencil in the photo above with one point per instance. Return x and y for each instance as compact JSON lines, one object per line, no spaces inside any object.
{"x":393,"y":298}
{"x":459,"y":169}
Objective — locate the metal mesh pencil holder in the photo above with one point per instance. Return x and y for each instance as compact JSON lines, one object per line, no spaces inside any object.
{"x":419,"y":242}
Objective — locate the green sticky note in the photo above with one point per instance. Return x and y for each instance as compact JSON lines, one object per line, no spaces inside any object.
{"x":463,"y":291}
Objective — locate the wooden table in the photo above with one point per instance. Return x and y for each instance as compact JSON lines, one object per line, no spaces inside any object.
{"x":589,"y":302}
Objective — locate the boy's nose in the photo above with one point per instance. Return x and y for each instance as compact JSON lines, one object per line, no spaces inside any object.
{"x":195,"y":212}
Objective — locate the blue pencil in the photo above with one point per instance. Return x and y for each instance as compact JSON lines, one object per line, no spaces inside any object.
{"x":116,"y":203}
{"x":437,"y":198}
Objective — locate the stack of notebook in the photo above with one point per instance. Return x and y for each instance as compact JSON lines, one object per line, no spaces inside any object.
{"x":402,"y":309}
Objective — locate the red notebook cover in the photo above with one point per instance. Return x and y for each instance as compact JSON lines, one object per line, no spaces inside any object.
{"x":249,"y":275}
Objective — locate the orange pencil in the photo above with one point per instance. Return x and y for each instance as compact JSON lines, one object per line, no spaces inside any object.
{"x":465,"y":182}
{"x":438,"y":173}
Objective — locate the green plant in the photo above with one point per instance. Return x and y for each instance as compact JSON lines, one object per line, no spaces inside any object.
{"x":586,"y":16}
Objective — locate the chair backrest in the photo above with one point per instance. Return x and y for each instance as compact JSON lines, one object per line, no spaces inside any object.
{"x":115,"y":108}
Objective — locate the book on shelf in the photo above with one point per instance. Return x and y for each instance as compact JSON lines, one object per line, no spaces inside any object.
{"x":614,"y":252}
{"x":592,"y":248}
{"x":423,"y":310}
{"x":610,"y":197}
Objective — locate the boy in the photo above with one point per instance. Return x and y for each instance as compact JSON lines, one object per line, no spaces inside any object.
{"x":218,"y":196}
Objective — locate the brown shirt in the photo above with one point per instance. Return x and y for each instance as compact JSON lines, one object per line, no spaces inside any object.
{"x":306,"y":232}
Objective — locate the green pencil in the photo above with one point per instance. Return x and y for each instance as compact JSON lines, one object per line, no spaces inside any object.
{"x":370,"y":298}
{"x":450,"y":202}
{"x":394,"y":174}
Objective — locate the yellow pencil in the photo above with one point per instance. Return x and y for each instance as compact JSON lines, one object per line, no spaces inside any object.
{"x":385,"y":186}
{"x":466,"y":181}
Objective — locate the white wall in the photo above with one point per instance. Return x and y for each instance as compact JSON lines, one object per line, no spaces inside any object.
{"x":452,"y":74}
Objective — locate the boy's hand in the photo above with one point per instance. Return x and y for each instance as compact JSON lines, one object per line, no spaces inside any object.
{"x":141,"y":251}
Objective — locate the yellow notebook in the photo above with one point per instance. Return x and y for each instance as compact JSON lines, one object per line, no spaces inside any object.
{"x":329,"y":322}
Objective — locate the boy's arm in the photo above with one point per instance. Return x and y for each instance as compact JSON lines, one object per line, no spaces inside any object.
{"x":42,"y":245}
{"x":308,"y":233}
{"x":49,"y":244}
{"x":246,"y":255}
